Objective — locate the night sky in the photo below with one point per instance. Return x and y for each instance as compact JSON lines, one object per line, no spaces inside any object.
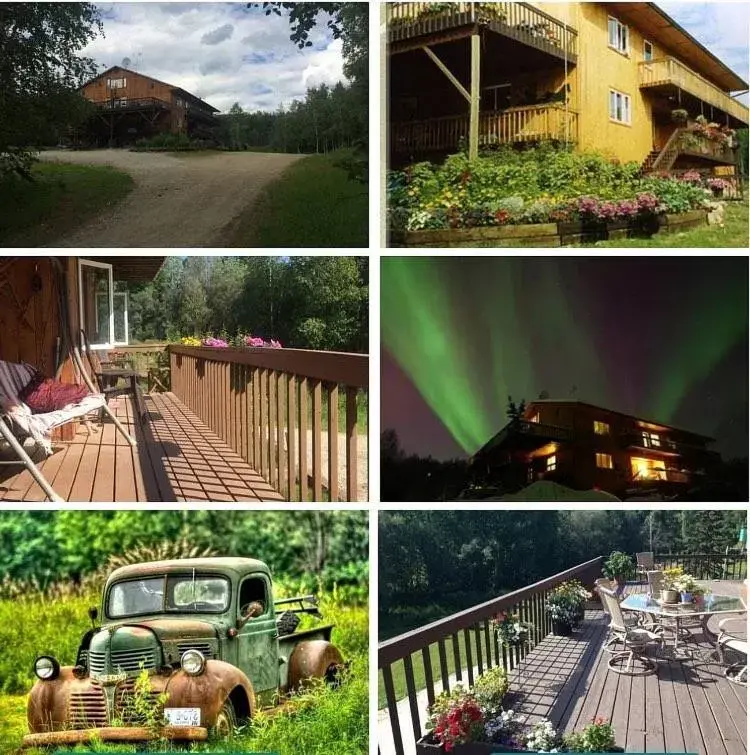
{"x":664,"y":339}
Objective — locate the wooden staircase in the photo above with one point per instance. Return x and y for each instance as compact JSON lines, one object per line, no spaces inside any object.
{"x":663,"y":160}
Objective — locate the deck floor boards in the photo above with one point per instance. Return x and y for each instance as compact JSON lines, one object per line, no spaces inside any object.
{"x":687,"y":706}
{"x":177,"y":459}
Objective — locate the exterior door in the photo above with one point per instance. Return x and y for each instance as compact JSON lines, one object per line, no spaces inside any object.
{"x":258,"y":639}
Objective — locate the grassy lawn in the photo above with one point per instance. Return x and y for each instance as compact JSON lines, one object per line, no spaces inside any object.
{"x":399,"y":676}
{"x":60,"y":198}
{"x":733,"y":234}
{"x":313,"y":204}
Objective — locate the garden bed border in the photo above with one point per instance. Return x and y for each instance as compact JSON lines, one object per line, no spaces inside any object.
{"x":541,"y":234}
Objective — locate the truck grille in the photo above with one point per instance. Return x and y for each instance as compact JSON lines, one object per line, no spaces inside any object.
{"x":203,"y":647}
{"x":87,"y":709}
{"x":124,"y":660}
{"x":125,"y":698}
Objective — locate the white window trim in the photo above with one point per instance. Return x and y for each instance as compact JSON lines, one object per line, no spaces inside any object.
{"x":619,"y":23}
{"x":628,"y":109}
{"x":648,"y":42}
{"x":108,"y":268}
{"x":124,"y":295}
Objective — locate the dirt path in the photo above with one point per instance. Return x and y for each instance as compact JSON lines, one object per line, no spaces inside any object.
{"x":362,"y":462}
{"x":177,"y":201}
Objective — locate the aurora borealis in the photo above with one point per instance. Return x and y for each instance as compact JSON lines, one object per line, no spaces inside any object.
{"x":663,"y":338}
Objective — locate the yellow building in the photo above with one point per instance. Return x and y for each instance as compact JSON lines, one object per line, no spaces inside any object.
{"x":621,"y":78}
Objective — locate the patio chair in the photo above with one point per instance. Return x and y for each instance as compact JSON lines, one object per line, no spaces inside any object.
{"x":17,"y":422}
{"x":644,"y":562}
{"x":734,"y":672}
{"x":632,"y":661}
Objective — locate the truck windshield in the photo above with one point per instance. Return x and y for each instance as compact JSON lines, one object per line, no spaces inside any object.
{"x":184,"y":594}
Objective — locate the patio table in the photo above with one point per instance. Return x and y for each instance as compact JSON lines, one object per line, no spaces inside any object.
{"x":712,"y":604}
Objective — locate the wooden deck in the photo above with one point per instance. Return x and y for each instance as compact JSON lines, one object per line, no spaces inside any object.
{"x":687,"y":706}
{"x":177,"y":459}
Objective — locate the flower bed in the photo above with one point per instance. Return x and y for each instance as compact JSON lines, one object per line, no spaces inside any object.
{"x":239,"y":341}
{"x":539,"y":197}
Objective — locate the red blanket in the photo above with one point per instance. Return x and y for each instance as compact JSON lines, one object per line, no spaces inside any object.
{"x":44,"y":395}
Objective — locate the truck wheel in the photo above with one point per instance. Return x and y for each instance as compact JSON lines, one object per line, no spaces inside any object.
{"x":226,"y":721}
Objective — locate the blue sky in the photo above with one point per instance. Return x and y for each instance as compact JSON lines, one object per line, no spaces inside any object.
{"x":222,"y":52}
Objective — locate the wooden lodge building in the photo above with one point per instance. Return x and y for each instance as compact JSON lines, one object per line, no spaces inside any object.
{"x":132,"y":106}
{"x":588,"y":447}
{"x":621,"y":78}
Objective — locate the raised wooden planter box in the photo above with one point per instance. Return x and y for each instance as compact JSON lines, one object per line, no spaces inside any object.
{"x":543,"y":234}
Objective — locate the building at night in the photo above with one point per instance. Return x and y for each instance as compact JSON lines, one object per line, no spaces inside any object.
{"x":588,"y":447}
{"x":621,"y":78}
{"x":131,"y":106}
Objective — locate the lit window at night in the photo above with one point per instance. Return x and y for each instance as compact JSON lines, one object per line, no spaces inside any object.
{"x":651,"y":440}
{"x":551,"y":463}
{"x":604,"y":461}
{"x":601,"y":428}
{"x":648,"y":469}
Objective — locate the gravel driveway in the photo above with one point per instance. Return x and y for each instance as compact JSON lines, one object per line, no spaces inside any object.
{"x":177,"y":201}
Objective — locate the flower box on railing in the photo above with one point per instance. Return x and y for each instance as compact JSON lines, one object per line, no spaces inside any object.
{"x":428,"y":745}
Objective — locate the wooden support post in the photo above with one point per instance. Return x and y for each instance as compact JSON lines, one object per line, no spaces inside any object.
{"x":474,"y":101}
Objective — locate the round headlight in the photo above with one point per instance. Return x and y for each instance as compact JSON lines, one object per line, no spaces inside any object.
{"x":46,"y":668}
{"x":193,"y":662}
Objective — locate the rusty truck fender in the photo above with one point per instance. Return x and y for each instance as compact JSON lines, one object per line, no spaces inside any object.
{"x":313,"y":658}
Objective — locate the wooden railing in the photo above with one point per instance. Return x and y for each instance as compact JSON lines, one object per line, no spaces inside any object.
{"x":706,"y":565}
{"x":515,"y":124}
{"x":481,"y":648}
{"x":131,"y":103}
{"x":268,"y":405}
{"x":518,"y":20}
{"x":693,"y":143}
{"x":662,"y":71}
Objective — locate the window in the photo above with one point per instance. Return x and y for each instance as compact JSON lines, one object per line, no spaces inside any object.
{"x":651,"y":440}
{"x":121,"y":102}
{"x":648,"y":469}
{"x":551,"y":463}
{"x":604,"y":461}
{"x":253,"y":590}
{"x":116,"y":83}
{"x":619,"y":107}
{"x":601,"y":428}
{"x":95,"y":293}
{"x":535,"y":418}
{"x":648,"y":50}
{"x":618,"y":35}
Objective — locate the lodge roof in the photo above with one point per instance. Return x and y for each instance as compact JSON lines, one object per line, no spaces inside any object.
{"x":179,"y":90}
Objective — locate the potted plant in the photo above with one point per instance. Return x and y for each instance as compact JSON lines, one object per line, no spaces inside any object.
{"x":565,"y":606}
{"x":688,"y":588}
{"x":619,"y":567}
{"x":680,"y":115}
{"x":598,"y":736}
{"x":669,"y":594}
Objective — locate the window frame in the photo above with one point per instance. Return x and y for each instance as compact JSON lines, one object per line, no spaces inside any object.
{"x":626,"y":108}
{"x":619,"y":36}
{"x":651,"y":54}
{"x":82,"y":321}
{"x":126,"y":297}
{"x":604,"y":457}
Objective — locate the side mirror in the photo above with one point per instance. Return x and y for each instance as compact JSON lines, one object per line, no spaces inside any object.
{"x":93,"y":614}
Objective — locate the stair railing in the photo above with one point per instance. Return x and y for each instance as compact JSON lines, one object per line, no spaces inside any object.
{"x":665,"y":159}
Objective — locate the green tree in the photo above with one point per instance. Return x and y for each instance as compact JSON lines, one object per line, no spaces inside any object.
{"x":40,"y":69}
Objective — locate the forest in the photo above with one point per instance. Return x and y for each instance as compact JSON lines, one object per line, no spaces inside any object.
{"x":53,"y":565}
{"x":303,"y":302}
{"x":432,"y":563}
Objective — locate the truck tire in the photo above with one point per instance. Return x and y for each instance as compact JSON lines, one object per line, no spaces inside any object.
{"x":226,"y":721}
{"x":314,"y":659}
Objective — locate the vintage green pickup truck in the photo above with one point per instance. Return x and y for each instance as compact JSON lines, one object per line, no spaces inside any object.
{"x":214,"y":643}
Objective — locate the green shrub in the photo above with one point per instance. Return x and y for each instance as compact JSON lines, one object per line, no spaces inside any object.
{"x":490,"y":689}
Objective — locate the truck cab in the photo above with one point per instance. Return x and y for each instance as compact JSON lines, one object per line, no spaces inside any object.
{"x":202,"y":639}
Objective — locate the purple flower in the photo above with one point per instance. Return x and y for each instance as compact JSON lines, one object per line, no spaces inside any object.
{"x":215,"y":343}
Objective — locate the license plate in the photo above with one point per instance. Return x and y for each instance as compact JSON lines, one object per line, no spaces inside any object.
{"x":109,"y":679}
{"x":183,"y":716}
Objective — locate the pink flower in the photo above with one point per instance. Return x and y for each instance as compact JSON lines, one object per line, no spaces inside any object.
{"x":275,"y":344}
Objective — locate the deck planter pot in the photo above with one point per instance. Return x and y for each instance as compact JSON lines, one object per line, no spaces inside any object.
{"x":561,"y":629}
{"x":686,"y":597}
{"x":670,"y":596}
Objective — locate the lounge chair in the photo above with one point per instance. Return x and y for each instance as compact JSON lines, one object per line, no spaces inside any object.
{"x":17,"y":422}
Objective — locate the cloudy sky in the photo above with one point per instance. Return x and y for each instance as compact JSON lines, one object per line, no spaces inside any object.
{"x":222,"y":52}
{"x":720,"y":26}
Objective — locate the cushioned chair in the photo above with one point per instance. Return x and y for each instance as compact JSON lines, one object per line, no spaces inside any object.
{"x":17,"y":422}
{"x":728,"y":640}
{"x":632,"y":661}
